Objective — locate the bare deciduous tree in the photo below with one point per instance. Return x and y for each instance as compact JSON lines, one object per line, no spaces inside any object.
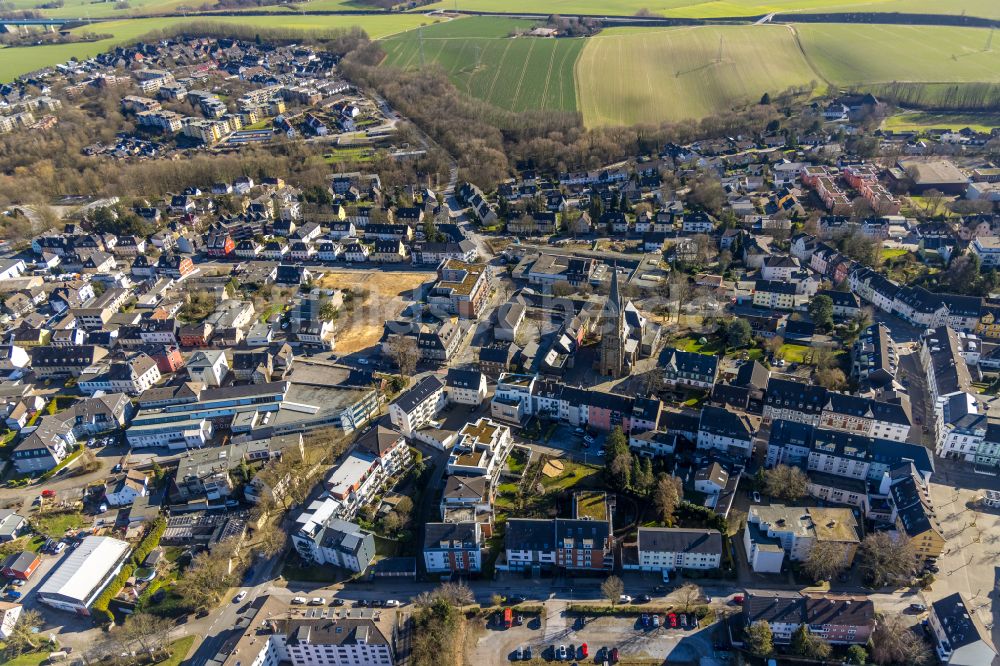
{"x":403,"y":351}
{"x":612,"y":588}
{"x":894,"y":642}
{"x":688,"y":595}
{"x":825,"y":561}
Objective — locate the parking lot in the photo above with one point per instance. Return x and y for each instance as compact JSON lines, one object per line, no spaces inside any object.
{"x":556,"y":628}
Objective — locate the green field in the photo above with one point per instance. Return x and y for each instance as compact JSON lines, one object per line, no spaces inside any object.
{"x":19,"y":60}
{"x":917,"y":121}
{"x":855,"y":54}
{"x":511,"y":73}
{"x":631,"y":75}
{"x":715,"y":9}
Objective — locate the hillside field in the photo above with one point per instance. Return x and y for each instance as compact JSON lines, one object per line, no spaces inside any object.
{"x":865,"y":54}
{"x":631,"y":75}
{"x":718,"y":8}
{"x":511,"y":73}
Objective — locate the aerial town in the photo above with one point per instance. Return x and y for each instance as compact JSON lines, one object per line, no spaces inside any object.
{"x":304,"y":387}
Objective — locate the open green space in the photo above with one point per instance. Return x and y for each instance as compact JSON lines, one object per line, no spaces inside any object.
{"x":715,"y":9}
{"x":20,"y":60}
{"x":631,"y":75}
{"x":29,"y":659}
{"x":794,"y":353}
{"x":56,"y":525}
{"x":573,"y":474}
{"x":917,"y":121}
{"x":178,"y":651}
{"x":483,"y":61}
{"x":865,"y":54}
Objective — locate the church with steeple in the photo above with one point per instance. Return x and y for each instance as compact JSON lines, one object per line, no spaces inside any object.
{"x":625,"y":334}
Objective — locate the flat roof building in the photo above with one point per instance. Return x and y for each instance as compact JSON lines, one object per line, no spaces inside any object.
{"x":82,"y":576}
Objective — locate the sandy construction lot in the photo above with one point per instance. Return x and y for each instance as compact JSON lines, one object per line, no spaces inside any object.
{"x":386,"y":295}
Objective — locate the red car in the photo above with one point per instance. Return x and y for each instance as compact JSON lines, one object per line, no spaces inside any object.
{"x":48,"y":493}
{"x":583,"y":650}
{"x":614,"y":655}
{"x":738,"y":599}
{"x":673,"y":619}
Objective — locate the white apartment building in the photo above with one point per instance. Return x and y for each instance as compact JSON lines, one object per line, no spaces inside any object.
{"x":667,"y":549}
{"x":418,"y":406}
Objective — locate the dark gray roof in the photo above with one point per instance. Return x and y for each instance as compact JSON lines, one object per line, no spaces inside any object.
{"x":530,"y":534}
{"x":962,"y":626}
{"x":670,"y":540}
{"x":463,"y":379}
{"x":420,"y":392}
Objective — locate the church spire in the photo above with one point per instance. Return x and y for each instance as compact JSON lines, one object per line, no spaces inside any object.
{"x":614,"y":304}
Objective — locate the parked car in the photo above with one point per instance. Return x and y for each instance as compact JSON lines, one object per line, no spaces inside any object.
{"x":583,"y":650}
{"x":58,"y":548}
{"x":643,"y":599}
{"x":527,"y":653}
{"x":673,"y":620}
{"x":337,"y":602}
{"x":240,"y":596}
{"x":519,"y":654}
{"x":624,"y":599}
{"x":656,"y":621}
{"x":918,"y":608}
{"x":298,"y":600}
{"x":589,"y":439}
{"x":645,"y":619}
{"x":737,"y":599}
{"x":317,"y":601}
{"x":614,"y":655}
{"x":392,"y":603}
{"x":561,"y":653}
{"x":756,"y":497}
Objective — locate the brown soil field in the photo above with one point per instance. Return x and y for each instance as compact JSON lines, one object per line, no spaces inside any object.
{"x":387,"y":294}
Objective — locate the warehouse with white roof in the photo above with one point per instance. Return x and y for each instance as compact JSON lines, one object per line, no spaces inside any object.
{"x":84,"y":574}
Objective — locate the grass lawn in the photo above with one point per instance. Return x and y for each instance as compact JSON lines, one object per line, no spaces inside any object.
{"x":178,"y":651}
{"x":573,"y":474}
{"x":864,"y":54}
{"x":893,"y":253}
{"x":794,"y":353}
{"x":386,"y":547}
{"x":690,"y":344}
{"x":482,"y":61}
{"x":718,"y":8}
{"x":633,"y":75}
{"x":55,"y":526}
{"x":919,"y":121}
{"x":30,"y":659}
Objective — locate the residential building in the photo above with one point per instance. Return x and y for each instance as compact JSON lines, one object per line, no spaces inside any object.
{"x":47,"y":445}
{"x":453,"y":548}
{"x":337,"y":543}
{"x":465,"y":387}
{"x":777,"y":530}
{"x":667,"y":549}
{"x":418,"y":405}
{"x":836,"y":619}
{"x":690,"y":369}
{"x":960,"y":637}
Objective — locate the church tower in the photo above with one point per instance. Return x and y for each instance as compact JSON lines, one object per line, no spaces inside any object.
{"x":611,"y":357}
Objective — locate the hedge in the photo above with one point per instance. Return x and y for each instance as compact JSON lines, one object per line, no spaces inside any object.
{"x":99,"y":608}
{"x":65,"y":461}
{"x":625,"y":609}
{"x":150,"y":541}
